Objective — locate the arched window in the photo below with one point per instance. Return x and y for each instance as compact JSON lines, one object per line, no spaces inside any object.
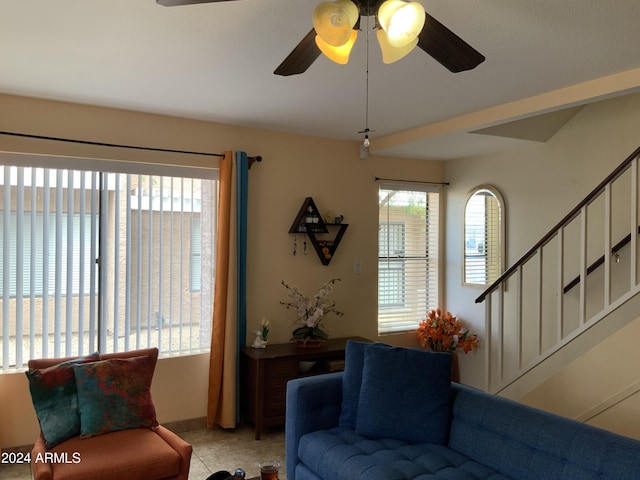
{"x":484,"y":245}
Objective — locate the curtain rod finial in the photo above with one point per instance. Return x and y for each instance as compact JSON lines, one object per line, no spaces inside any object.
{"x":257,"y":158}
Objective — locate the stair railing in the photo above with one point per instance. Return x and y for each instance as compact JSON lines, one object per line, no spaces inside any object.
{"x":531,"y":313}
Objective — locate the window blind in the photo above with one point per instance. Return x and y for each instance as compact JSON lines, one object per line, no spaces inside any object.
{"x":104,"y":262}
{"x":408,"y":257}
{"x":482,"y":238}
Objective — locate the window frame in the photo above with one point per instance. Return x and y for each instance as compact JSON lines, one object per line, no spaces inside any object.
{"x":501,"y":236}
{"x":432,"y":300}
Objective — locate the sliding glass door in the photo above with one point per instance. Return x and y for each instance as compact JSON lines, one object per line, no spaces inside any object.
{"x":104,"y":261}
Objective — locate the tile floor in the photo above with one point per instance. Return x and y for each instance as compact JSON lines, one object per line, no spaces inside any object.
{"x":213,"y":450}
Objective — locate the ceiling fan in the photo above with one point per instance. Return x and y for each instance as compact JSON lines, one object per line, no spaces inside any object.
{"x":342,"y":19}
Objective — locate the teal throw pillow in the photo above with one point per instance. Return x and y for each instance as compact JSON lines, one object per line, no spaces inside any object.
{"x":115,"y":395}
{"x":55,"y":400}
{"x":405,"y":394}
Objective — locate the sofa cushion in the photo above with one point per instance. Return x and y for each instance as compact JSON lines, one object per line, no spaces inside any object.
{"x":351,"y":381}
{"x":55,"y":399}
{"x":340,"y":453}
{"x":115,"y":395}
{"x":103,"y":458}
{"x":405,"y":394}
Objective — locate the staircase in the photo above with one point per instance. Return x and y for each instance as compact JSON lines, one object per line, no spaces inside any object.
{"x":575,"y":287}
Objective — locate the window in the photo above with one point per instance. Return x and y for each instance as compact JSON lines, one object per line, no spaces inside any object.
{"x":483,"y":236}
{"x":407,"y":256}
{"x":108,"y":262}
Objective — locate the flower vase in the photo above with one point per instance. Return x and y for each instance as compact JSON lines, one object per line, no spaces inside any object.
{"x":310,"y":342}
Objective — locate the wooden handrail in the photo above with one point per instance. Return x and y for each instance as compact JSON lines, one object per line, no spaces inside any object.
{"x":567,"y":218}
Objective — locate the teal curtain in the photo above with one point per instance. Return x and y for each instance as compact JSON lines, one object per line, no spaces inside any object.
{"x":242,"y":179}
{"x":242,"y":195}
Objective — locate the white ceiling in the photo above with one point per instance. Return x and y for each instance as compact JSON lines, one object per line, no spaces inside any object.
{"x":215,"y":62}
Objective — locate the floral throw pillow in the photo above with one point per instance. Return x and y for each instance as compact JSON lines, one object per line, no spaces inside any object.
{"x":55,"y":399}
{"x":115,"y":395}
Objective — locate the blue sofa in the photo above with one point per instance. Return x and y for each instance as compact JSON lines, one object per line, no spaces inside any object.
{"x":487,"y":437}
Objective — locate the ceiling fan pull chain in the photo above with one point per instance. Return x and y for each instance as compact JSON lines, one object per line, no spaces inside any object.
{"x":364,"y":148}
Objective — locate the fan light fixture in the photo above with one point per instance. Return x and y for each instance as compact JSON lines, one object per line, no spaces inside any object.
{"x":399,"y":22}
{"x":334,"y":21}
{"x":339,"y":54}
{"x":402,"y":21}
{"x":390,"y":53}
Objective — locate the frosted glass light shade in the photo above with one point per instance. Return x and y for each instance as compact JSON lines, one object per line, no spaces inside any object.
{"x":337,"y":54}
{"x":402,"y":21}
{"x":334,"y":21}
{"x":390,"y":53}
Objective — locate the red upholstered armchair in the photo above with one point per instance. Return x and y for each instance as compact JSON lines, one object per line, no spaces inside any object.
{"x":131,"y":454}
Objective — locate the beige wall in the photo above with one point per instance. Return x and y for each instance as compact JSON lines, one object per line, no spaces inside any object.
{"x":540,"y":184}
{"x":293,"y":168}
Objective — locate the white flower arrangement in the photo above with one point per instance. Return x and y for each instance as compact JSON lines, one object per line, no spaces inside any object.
{"x":311,"y":311}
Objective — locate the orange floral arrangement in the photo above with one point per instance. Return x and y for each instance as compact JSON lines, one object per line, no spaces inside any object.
{"x":442,"y":332}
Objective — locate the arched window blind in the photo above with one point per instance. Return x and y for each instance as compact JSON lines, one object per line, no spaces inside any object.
{"x":483,"y":236}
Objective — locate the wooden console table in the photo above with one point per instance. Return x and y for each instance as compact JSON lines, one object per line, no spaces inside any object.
{"x":266,"y":371}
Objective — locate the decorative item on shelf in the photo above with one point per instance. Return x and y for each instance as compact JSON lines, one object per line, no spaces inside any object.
{"x":329,"y":216}
{"x":261,"y":335}
{"x":310,"y":313}
{"x":442,"y":332}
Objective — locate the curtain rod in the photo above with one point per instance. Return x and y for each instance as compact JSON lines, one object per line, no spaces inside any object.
{"x":378,"y":179}
{"x":257,"y":158}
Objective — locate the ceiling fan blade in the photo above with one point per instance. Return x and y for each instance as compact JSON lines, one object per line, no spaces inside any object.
{"x":301,"y":57}
{"x":448,"y":48}
{"x":177,"y":3}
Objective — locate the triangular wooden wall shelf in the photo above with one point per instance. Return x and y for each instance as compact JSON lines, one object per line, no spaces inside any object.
{"x":310,"y":221}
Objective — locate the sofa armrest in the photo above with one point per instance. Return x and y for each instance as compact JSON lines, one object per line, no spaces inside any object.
{"x":313,"y":403}
{"x":183,"y":448}
{"x":40,"y":470}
